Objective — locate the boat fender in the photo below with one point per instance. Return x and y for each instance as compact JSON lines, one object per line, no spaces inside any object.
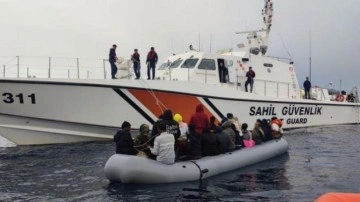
{"x":340,"y":98}
{"x":202,"y":171}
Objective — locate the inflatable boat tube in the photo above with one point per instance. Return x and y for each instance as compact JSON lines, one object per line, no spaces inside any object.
{"x":139,"y":170}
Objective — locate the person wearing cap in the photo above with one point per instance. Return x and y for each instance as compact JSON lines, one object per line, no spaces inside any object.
{"x":250,"y":79}
{"x":151,"y":61}
{"x":112,"y":60}
{"x":135,"y":57}
{"x":124,"y":141}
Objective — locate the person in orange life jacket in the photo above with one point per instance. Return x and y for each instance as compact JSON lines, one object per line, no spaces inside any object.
{"x":276,"y":130}
{"x":124,"y":141}
{"x":151,"y":61}
{"x":200,"y":120}
{"x":307,"y":87}
{"x":135,"y":57}
{"x":112,"y":60}
{"x":250,"y":80}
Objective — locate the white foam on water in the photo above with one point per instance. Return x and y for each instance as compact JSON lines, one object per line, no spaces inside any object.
{"x":6,"y":143}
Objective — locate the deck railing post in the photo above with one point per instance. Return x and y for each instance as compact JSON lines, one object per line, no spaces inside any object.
{"x":78,"y":68}
{"x":18,"y":66}
{"x":88,"y":73}
{"x":49,"y":68}
{"x":27,"y":72}
{"x":4,"y":71}
{"x":277,"y":89}
{"x":104,"y":68}
{"x":68,"y":73}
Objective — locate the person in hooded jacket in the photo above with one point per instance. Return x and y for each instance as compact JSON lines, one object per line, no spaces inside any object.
{"x":266,"y":127}
{"x":222,"y":139}
{"x":209,"y":143}
{"x":257,"y":133}
{"x":227,"y":129}
{"x":124,"y":141}
{"x":199,"y":119}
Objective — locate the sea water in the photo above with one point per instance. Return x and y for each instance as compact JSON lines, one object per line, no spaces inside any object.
{"x":320,"y":160}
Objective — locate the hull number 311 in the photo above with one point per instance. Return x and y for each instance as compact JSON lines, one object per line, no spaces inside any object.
{"x":20,"y":98}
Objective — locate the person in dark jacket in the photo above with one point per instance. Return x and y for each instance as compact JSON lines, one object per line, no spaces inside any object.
{"x":193,"y":145}
{"x":222,"y":140}
{"x":212,"y":124}
{"x":257,"y":133}
{"x":112,"y":60}
{"x":135,"y":57}
{"x":200,"y":119}
{"x":209,"y":143}
{"x":152,"y":59}
{"x":124,"y":141}
{"x":250,"y":80}
{"x":230,"y":133}
{"x":266,"y":127}
{"x":307,"y":87}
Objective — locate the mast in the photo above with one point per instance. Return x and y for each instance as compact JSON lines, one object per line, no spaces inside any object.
{"x":260,"y":38}
{"x":310,"y":56}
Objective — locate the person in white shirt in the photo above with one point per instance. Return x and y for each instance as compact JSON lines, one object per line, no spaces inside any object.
{"x":164,"y":146}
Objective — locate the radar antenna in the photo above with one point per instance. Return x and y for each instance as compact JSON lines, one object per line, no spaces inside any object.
{"x":260,"y":38}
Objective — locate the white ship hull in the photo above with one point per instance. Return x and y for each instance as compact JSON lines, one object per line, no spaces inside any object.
{"x":63,"y":111}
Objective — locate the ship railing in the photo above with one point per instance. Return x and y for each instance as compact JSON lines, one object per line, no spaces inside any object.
{"x":53,"y":67}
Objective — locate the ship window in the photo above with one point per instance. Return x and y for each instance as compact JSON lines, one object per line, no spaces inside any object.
{"x":207,"y":64}
{"x":190,"y":63}
{"x":164,"y":65}
{"x":268,"y":65}
{"x":175,"y":64}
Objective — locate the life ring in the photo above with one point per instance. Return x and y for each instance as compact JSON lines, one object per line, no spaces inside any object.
{"x":340,"y":98}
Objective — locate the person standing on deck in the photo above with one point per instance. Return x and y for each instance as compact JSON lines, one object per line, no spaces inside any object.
{"x":250,"y":80}
{"x":151,"y":61}
{"x":112,"y":60}
{"x":307,"y":87}
{"x":135,"y":57}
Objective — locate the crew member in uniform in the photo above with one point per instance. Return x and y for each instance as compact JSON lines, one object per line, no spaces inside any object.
{"x":250,"y":80}
{"x":112,"y":60}
{"x":307,"y":87}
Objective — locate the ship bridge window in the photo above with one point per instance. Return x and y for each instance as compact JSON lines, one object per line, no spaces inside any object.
{"x":176,"y":63}
{"x":190,"y":63}
{"x":207,"y":64}
{"x":164,"y":66}
{"x":268,"y":65}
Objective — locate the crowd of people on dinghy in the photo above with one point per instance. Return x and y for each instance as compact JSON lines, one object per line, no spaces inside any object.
{"x":171,"y":139}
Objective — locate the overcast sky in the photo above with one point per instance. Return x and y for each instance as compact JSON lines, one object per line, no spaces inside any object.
{"x":87,"y":29}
